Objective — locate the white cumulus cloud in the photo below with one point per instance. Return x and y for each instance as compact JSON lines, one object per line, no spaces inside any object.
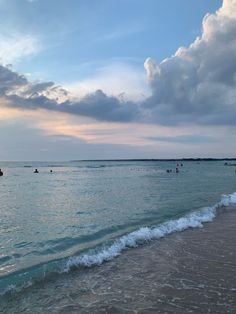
{"x":198,"y":83}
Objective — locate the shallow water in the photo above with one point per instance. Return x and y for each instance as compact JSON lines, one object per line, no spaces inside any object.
{"x":187,"y":272}
{"x":49,"y":220}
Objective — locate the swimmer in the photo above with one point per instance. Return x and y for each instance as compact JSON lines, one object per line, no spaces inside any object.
{"x":36,"y":171}
{"x":1,"y":173}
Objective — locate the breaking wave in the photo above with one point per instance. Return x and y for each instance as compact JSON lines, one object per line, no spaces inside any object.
{"x":107,"y":252}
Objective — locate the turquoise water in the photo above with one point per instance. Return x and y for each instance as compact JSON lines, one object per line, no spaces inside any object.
{"x":47,"y":219}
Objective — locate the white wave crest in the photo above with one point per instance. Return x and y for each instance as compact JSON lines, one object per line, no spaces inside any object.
{"x":144,"y":234}
{"x":228,"y":200}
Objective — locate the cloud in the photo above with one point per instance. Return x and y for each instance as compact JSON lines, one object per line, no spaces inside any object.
{"x":19,"y":93}
{"x":125,"y":31}
{"x":116,"y":77}
{"x":16,"y":46}
{"x":196,"y":85}
{"x":10,"y":80}
{"x":96,"y":105}
{"x":184,"y":139}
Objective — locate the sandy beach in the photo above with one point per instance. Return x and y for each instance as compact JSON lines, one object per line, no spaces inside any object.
{"x":187,"y":272}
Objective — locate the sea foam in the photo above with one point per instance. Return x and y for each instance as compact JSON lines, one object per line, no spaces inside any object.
{"x":227,"y":200}
{"x":140,"y":236}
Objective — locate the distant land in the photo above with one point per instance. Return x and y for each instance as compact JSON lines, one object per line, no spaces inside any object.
{"x":162,"y":159}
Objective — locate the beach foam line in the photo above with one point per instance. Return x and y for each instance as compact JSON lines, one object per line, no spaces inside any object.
{"x":227,"y":200}
{"x":146,"y":234}
{"x":99,"y":255}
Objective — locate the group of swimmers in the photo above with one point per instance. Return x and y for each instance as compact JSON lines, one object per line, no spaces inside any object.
{"x":36,"y":170}
{"x":170,"y":170}
{"x":176,"y":169}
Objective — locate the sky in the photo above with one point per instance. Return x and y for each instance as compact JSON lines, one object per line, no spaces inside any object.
{"x":116,"y":79}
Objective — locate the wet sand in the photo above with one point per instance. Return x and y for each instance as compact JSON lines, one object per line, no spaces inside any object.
{"x":187,"y":272}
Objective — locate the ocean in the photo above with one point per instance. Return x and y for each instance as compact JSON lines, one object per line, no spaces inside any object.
{"x":85,"y":213}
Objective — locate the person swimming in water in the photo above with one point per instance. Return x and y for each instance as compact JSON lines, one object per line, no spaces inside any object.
{"x":36,"y":171}
{"x":1,"y":173}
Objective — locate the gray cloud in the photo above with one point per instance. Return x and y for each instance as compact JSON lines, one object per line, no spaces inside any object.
{"x":23,"y":94}
{"x":96,"y":105}
{"x":10,"y":80}
{"x":20,"y":93}
{"x":196,"y":85}
{"x":102,"y":107}
{"x":184,"y":139}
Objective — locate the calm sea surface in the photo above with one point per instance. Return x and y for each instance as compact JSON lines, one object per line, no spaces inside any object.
{"x":77,"y":212}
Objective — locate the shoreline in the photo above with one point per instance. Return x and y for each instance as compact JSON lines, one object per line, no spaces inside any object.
{"x":193,"y":271}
